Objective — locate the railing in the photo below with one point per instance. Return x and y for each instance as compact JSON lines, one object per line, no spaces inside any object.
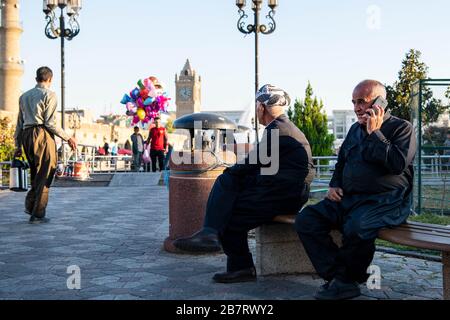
{"x":435,"y":168}
{"x":108,"y":164}
{"x":324,"y":169}
{"x":98,"y":163}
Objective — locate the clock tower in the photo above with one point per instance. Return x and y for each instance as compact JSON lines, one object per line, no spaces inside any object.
{"x":188,"y":89}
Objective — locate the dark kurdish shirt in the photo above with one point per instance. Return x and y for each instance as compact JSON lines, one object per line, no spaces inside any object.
{"x":379,"y":162}
{"x":295,"y":158}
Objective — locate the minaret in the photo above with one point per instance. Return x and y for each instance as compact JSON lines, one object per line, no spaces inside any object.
{"x":11,"y":69}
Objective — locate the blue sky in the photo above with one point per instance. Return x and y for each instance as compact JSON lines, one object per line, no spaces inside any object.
{"x":326,"y":42}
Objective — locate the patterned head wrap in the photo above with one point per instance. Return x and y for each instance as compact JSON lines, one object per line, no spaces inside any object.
{"x":270,"y":95}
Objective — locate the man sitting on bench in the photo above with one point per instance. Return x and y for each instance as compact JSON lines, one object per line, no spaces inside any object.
{"x":250,"y":194}
{"x":370,"y":189}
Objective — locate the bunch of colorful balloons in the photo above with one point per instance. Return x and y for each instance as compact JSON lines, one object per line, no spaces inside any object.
{"x":146,"y":101}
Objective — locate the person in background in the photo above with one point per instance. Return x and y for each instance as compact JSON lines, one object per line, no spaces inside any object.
{"x":146,"y":158}
{"x":114,"y":150}
{"x":138,"y":148}
{"x":106,"y":148}
{"x":157,"y":139}
{"x":35,"y":131}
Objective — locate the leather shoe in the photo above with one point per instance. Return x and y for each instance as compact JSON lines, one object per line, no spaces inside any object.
{"x":338,"y":290}
{"x":202,"y":241}
{"x":36,"y":220}
{"x":244,"y":275}
{"x":325,"y":286}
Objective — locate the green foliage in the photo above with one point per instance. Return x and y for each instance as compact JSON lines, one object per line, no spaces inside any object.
{"x":399,"y":95}
{"x":434,"y":137}
{"x":169,"y":126}
{"x":308,"y":115}
{"x":7,"y":146}
{"x":431,"y":218}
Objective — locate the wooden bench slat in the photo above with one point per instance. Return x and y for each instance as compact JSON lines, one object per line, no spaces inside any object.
{"x":423,"y":231}
{"x":416,"y":234}
{"x":427,"y":225}
{"x":414,"y":239}
{"x":410,"y":225}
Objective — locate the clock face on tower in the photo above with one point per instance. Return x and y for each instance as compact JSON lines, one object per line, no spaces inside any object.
{"x":185,"y":93}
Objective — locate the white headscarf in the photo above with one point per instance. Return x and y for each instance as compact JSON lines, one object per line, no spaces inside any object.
{"x":271,"y":95}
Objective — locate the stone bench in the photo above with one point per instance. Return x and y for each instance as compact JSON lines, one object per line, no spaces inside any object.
{"x":280,"y":251}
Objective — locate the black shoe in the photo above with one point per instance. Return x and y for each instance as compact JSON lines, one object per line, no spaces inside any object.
{"x":338,"y":290}
{"x":35,"y":220}
{"x":325,"y":286}
{"x":202,"y":241}
{"x":244,"y":275}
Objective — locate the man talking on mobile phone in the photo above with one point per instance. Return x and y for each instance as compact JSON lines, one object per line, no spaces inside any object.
{"x":370,"y":189}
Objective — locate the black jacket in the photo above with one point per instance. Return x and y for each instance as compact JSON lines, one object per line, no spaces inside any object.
{"x":379,"y":162}
{"x":287,"y":189}
{"x":294,"y":154}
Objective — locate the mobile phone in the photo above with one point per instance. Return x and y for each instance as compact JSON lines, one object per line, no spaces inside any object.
{"x":379,"y":101}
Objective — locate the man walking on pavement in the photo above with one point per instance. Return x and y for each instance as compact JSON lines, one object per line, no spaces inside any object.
{"x":35,"y":131}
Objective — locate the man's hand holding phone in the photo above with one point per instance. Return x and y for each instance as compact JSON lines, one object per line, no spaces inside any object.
{"x":375,"y":118}
{"x":375,"y":115}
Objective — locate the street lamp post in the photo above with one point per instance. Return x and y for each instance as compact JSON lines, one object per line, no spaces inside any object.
{"x":52,"y":31}
{"x":256,"y":28}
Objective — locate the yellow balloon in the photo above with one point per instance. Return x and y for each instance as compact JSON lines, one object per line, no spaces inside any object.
{"x":141,"y":114}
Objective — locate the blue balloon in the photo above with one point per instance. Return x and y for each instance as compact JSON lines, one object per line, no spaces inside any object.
{"x":126,"y":98}
{"x":148,"y":101}
{"x":135,"y":93}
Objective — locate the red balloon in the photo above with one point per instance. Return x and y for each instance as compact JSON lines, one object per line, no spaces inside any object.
{"x":144,"y":93}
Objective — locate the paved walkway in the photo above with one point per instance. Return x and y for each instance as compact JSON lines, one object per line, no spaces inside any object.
{"x":115,"y":235}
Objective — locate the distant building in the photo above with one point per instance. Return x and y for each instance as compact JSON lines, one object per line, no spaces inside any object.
{"x":341,"y":121}
{"x":80,"y":123}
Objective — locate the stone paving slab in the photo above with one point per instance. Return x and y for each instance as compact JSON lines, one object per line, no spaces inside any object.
{"x":115,"y":235}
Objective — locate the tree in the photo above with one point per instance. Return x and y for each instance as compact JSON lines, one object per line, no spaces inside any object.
{"x":169,"y":126}
{"x":399,"y":95}
{"x":6,"y":140}
{"x":434,"y":136}
{"x":308,"y":115}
